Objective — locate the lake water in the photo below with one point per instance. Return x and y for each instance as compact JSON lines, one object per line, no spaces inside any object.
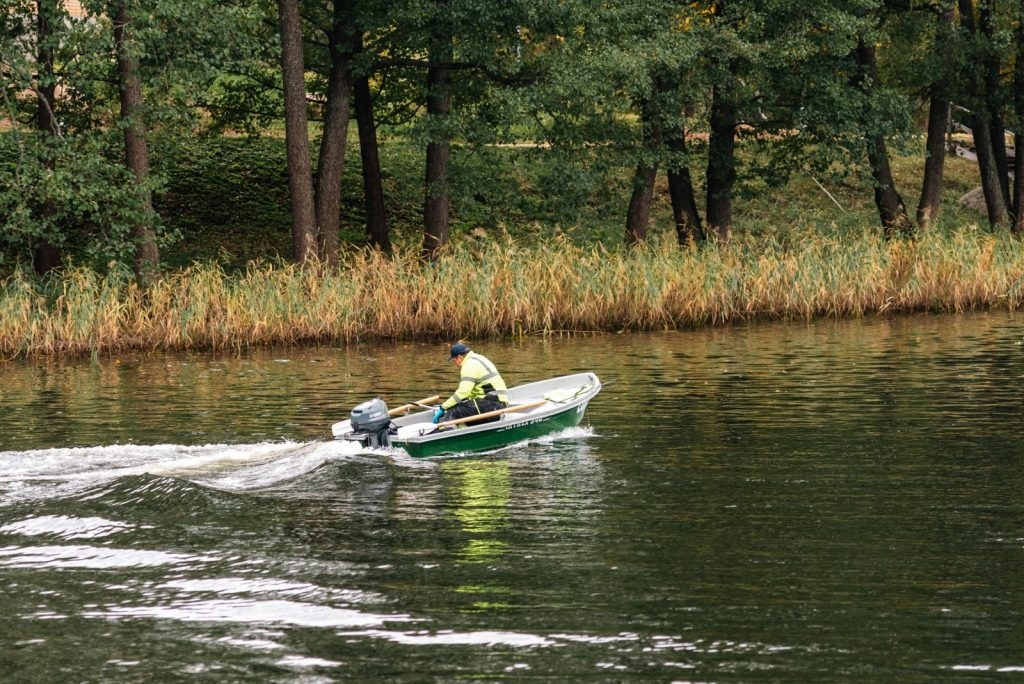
{"x":779,"y":502}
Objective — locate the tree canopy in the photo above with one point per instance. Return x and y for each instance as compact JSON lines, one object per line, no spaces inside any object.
{"x":727,"y":97}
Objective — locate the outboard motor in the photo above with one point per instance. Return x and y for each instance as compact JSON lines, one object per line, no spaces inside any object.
{"x":370,"y":424}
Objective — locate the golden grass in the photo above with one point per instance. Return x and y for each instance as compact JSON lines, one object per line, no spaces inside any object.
{"x":502,"y":289}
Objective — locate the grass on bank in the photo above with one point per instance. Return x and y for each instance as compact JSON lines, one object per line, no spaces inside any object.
{"x":508,"y":290}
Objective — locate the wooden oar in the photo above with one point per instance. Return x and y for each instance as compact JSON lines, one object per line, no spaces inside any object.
{"x":491,"y":414}
{"x":405,"y":408}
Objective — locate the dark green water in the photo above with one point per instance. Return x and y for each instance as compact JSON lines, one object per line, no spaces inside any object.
{"x":826,"y":502}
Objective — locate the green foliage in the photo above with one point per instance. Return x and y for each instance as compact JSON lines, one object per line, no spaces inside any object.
{"x":74,"y":193}
{"x":71,"y":189}
{"x":227,"y":197}
{"x":546,"y":122}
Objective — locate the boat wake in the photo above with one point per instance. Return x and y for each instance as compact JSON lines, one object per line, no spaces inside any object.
{"x":43,"y":474}
{"x":56,"y":473}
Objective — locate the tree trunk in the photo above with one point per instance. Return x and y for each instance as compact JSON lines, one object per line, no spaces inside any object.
{"x":1018,"y":170}
{"x":934,"y":164}
{"x":991,"y":64}
{"x":373,"y":190}
{"x":300,"y":181}
{"x":981,"y":130}
{"x":680,"y":189}
{"x":331,"y":162}
{"x":638,"y":217}
{"x":46,"y":256}
{"x":938,"y":125}
{"x":990,"y":184}
{"x":721,"y":173}
{"x":46,"y":13}
{"x":147,"y":256}
{"x":436,"y":209}
{"x":891,"y":209}
{"x":1018,"y":136}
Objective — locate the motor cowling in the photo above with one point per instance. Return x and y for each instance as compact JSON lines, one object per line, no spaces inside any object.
{"x":371,"y":423}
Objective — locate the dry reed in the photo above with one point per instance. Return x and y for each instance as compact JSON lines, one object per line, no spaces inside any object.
{"x":502,"y":289}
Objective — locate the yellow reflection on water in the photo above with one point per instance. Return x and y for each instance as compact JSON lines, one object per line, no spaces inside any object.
{"x":481,"y":491}
{"x":491,"y":596}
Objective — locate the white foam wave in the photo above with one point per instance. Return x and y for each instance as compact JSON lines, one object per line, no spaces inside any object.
{"x":578,"y":432}
{"x":48,"y":473}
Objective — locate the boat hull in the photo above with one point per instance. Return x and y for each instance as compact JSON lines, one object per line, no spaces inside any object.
{"x":493,"y":439}
{"x":535,"y":409}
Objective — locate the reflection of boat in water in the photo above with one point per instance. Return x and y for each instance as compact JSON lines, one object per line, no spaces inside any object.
{"x":534,"y":410}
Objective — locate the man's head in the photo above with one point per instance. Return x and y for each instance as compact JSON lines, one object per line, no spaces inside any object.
{"x":458,"y":352}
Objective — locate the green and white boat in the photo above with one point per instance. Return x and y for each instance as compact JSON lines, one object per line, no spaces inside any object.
{"x":534,"y":410}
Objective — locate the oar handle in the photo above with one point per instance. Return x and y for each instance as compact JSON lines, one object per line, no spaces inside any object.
{"x":405,"y":408}
{"x":491,"y":414}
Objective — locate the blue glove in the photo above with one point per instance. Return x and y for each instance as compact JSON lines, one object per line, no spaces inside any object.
{"x":438,"y":412}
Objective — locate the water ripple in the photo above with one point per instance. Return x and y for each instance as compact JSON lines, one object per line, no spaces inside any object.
{"x":66,"y":527}
{"x":453,"y":638}
{"x":97,"y":558}
{"x":249,"y":611}
{"x":232,"y":586}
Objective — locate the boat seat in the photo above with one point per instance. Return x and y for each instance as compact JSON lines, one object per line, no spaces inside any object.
{"x":561,"y":395}
{"x":408,"y":431}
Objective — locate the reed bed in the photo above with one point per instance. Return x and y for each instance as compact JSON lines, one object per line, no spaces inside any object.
{"x":497,"y":289}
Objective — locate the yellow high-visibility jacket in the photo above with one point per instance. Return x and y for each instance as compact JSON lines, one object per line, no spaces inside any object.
{"x":476,"y":372}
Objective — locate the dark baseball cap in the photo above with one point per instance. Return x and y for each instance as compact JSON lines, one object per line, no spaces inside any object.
{"x":458,"y":350}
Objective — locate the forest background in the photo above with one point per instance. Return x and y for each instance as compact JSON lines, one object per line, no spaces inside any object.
{"x":492,"y":168}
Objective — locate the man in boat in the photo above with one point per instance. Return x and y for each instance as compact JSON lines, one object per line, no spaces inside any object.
{"x":480,"y":389}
